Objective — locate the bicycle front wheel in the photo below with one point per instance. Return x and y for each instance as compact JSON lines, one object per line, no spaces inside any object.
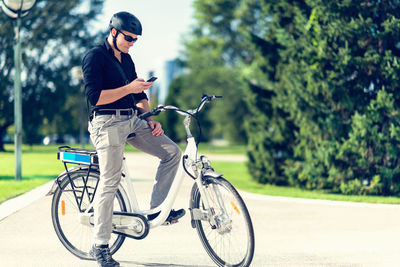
{"x":227,"y":235}
{"x":68,"y":212}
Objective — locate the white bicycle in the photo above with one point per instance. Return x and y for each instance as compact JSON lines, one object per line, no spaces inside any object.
{"x":217,"y":211}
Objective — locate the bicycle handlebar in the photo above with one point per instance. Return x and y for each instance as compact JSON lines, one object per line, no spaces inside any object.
{"x":160,"y":108}
{"x":153,"y":112}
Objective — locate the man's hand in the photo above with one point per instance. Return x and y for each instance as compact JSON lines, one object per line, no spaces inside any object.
{"x":139,"y":85}
{"x":111,"y":95}
{"x":156,"y":127}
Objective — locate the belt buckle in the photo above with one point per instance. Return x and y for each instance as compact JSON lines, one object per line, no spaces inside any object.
{"x":123,"y":112}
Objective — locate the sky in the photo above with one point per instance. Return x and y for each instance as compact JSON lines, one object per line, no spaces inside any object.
{"x":165,"y":24}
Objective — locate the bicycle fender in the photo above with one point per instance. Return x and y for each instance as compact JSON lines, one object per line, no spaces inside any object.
{"x":53,"y":189}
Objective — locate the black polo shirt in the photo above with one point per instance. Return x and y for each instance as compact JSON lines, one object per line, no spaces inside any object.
{"x":100,"y":73}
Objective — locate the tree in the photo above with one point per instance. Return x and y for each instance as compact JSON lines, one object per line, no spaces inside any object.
{"x":321,"y":89}
{"x":246,"y":46}
{"x":204,"y":58}
{"x":337,"y":64}
{"x":54,"y":36}
{"x":358,"y":74}
{"x":170,"y":120}
{"x":268,"y":30}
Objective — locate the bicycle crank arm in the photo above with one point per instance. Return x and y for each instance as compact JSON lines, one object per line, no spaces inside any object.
{"x":135,"y":227}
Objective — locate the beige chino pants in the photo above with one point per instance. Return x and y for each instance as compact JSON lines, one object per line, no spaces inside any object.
{"x":109,"y":133}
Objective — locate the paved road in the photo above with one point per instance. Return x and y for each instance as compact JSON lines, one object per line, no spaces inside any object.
{"x":289,"y":232}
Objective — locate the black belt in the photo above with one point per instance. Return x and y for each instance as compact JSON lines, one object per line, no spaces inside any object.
{"x":113,"y":112}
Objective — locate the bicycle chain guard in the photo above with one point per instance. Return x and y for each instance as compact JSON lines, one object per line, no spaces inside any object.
{"x":123,"y":223}
{"x":130,"y":225}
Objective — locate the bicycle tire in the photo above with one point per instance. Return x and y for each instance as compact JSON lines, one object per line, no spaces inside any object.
{"x":75,"y":236}
{"x":226,"y":247}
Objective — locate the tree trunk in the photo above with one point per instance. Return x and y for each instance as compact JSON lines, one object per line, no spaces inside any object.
{"x":3,"y":131}
{"x":2,"y":149}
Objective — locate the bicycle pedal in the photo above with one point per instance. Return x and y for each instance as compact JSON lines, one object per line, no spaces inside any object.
{"x":170,"y":222}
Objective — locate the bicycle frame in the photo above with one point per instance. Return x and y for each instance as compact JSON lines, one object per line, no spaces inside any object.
{"x":190,"y":160}
{"x":166,"y":206}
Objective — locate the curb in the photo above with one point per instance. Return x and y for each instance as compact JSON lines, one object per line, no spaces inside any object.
{"x":311,"y":201}
{"x":15,"y":204}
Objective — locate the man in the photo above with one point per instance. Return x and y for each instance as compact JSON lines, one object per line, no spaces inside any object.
{"x":116,"y":99}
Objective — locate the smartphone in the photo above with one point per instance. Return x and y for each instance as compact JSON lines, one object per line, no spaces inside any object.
{"x":152,"y":79}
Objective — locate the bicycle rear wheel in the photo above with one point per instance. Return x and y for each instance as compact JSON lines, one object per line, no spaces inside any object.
{"x":227,"y":236}
{"x":73,"y":230}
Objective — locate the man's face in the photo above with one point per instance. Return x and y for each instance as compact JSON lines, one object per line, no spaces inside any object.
{"x":122,"y":42}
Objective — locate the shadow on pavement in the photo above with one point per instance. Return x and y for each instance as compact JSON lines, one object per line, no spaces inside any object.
{"x":134,"y":263}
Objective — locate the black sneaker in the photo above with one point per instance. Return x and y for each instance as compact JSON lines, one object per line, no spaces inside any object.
{"x":103,"y":256}
{"x":173,"y":216}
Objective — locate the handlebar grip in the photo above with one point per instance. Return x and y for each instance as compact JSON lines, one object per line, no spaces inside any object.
{"x":145,"y":115}
{"x":153,"y":112}
{"x":211,"y":97}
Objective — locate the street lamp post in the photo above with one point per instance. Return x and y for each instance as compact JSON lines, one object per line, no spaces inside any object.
{"x":76,"y":72}
{"x":16,"y":9}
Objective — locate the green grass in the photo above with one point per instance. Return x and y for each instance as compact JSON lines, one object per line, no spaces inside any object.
{"x":231,"y":149}
{"x":237,"y":174}
{"x":40,"y":165}
{"x":10,"y":189}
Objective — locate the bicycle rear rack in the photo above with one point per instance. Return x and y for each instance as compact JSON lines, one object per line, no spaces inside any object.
{"x":78,"y":156}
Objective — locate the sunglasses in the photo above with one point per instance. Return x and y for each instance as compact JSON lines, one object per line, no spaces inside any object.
{"x":128,"y":38}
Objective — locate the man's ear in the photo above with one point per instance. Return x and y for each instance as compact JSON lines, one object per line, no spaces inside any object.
{"x":113,"y":32}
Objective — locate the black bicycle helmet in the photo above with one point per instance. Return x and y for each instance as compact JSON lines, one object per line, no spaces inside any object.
{"x":125,"y":21}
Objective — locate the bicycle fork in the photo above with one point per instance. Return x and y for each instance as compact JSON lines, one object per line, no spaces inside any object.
{"x":212,"y":208}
